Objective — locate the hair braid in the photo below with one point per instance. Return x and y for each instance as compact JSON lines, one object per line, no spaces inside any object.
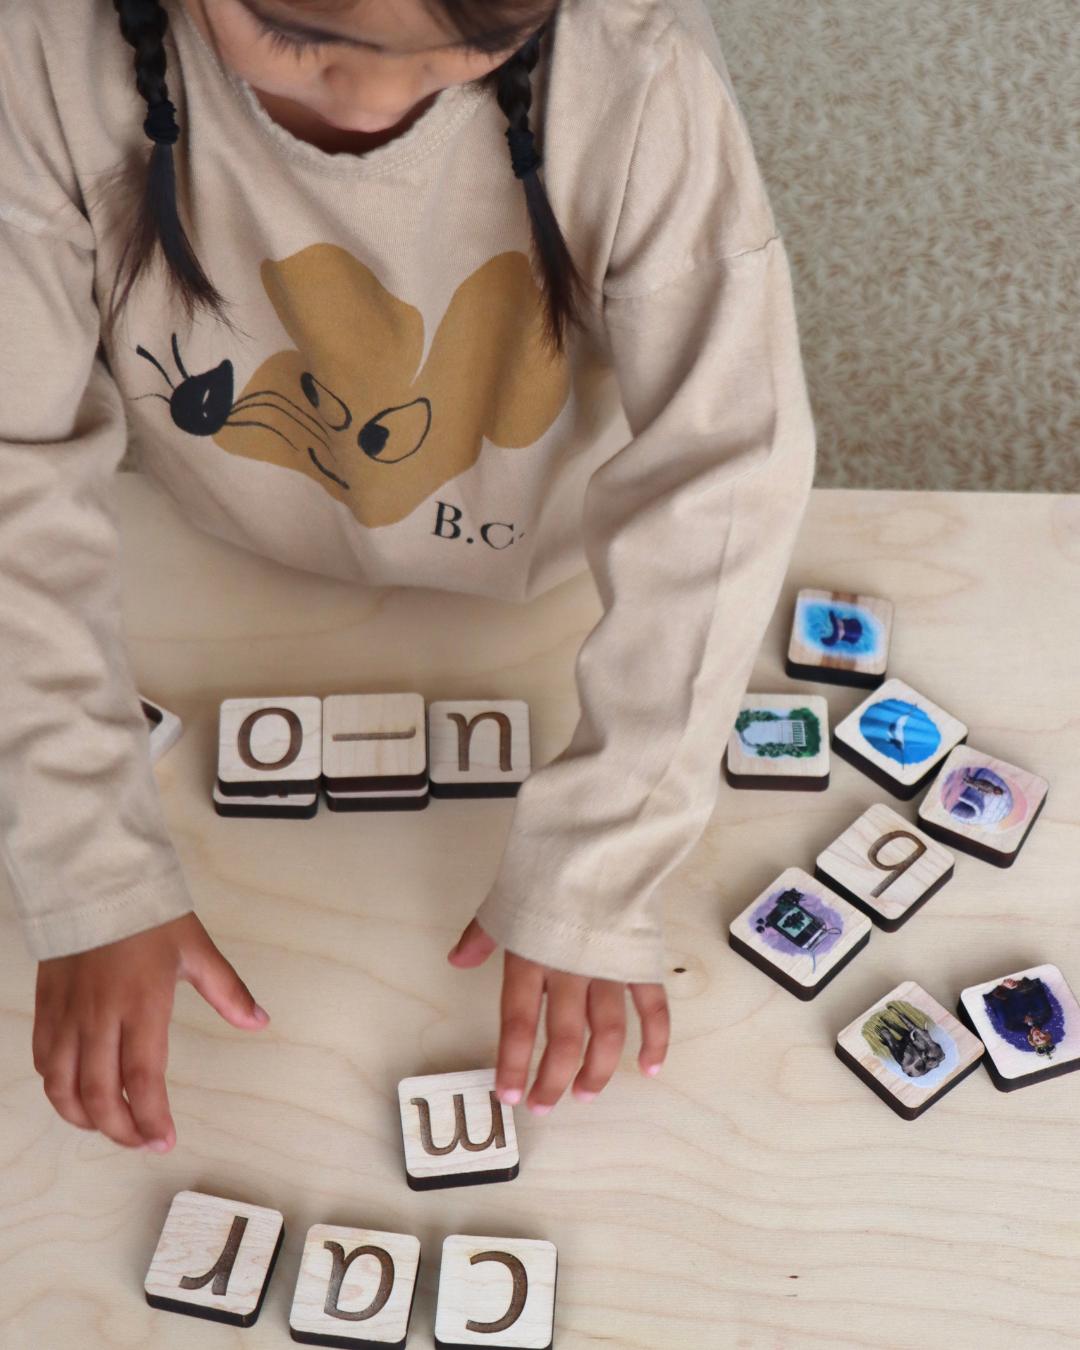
{"x":563,"y":283}
{"x":155,"y":220}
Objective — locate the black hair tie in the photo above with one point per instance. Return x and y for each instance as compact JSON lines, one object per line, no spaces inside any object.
{"x":160,"y":124}
{"x":523,"y":153}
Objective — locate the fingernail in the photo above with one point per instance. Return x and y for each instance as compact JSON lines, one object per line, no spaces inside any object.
{"x":538,"y":1109}
{"x":511,"y":1096}
{"x":582,"y":1096}
{"x":156,"y":1145}
{"x":653,"y":1070}
{"x":261,"y":1015}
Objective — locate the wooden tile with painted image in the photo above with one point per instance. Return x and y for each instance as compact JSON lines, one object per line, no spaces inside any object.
{"x":909,"y":1049}
{"x":799,"y":932}
{"x":885,"y":866}
{"x":281,"y":806}
{"x":164,"y":727}
{"x":355,"y":1288}
{"x":374,"y":752}
{"x":1029,"y":1023}
{"x":779,"y":741}
{"x":898,"y":737}
{"x":455,"y":1130}
{"x":478,"y":747}
{"x":267,"y":746}
{"x":982,"y":805}
{"x":214,"y":1258}
{"x":496,"y":1291}
{"x":840,"y":637}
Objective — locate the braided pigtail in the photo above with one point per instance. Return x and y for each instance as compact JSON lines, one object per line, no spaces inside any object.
{"x":563,"y":283}
{"x":154,"y":219}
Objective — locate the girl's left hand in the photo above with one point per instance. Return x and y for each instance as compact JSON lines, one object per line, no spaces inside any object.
{"x":572,"y":1001}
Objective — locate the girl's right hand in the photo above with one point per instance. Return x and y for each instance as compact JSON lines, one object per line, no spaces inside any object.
{"x":101,"y":1022}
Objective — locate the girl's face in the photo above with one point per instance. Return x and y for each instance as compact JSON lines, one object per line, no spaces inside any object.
{"x":364,"y":68}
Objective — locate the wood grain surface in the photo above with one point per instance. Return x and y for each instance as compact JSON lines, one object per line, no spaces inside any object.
{"x":756,"y":1194}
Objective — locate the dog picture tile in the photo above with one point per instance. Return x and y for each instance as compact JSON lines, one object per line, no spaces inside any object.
{"x":164,"y":727}
{"x":982,"y":805}
{"x":478,"y":747}
{"x":355,"y":1288}
{"x":779,"y":741}
{"x":214,"y":1258}
{"x":455,"y":1130}
{"x":840,"y":637}
{"x":898,"y":737}
{"x":1029,"y":1023}
{"x":909,"y":1049}
{"x":374,"y":744}
{"x":267,"y":746}
{"x":282,"y":806}
{"x":799,"y":932}
{"x":885,"y":866}
{"x":496,"y":1291}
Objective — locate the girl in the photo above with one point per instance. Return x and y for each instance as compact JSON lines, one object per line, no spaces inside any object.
{"x":376,"y":346}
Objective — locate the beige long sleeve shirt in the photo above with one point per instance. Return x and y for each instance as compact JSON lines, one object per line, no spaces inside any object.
{"x":385,"y":398}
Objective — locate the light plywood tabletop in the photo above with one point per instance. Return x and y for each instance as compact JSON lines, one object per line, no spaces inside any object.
{"x":756,"y":1194}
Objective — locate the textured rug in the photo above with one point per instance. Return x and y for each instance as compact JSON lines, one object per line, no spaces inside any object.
{"x":923,"y":161}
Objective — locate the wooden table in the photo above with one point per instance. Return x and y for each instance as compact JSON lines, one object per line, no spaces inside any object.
{"x":756,"y":1194}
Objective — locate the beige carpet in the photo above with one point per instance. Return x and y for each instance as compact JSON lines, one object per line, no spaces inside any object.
{"x":923,"y":160}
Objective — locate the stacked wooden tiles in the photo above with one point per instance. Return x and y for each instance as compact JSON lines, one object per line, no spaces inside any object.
{"x":366,"y":752}
{"x":355,"y":1286}
{"x":802,"y":930}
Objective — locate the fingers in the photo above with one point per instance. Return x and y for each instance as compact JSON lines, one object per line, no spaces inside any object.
{"x":522,"y":991}
{"x":58,"y":1063}
{"x":606,"y":1012}
{"x":99,"y":1083}
{"x":204,"y":967}
{"x":566,"y":1002}
{"x":144,"y":1052}
{"x":651,"y":1003}
{"x":472,"y":948}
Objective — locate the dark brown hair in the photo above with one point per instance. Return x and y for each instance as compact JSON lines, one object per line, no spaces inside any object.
{"x":152,"y":218}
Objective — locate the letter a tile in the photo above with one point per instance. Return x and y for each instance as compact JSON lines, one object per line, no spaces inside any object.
{"x":355,"y":1288}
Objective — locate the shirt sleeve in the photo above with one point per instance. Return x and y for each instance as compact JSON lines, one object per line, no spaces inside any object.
{"x":82,"y":834}
{"x":688,"y":532}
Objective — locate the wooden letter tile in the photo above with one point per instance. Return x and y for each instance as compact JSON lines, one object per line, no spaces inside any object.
{"x":909,"y":1049}
{"x":456,"y":1131}
{"x":799,"y":932}
{"x":779,"y":741}
{"x":496,"y":1291}
{"x":839,"y":637}
{"x":355,"y":1288}
{"x":897,"y":737}
{"x":374,"y":755}
{"x":1029,"y":1023}
{"x":164,"y":726}
{"x":478,"y":747}
{"x":982,"y":806}
{"x":885,"y":866}
{"x":214,"y":1258}
{"x":267,"y":746}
